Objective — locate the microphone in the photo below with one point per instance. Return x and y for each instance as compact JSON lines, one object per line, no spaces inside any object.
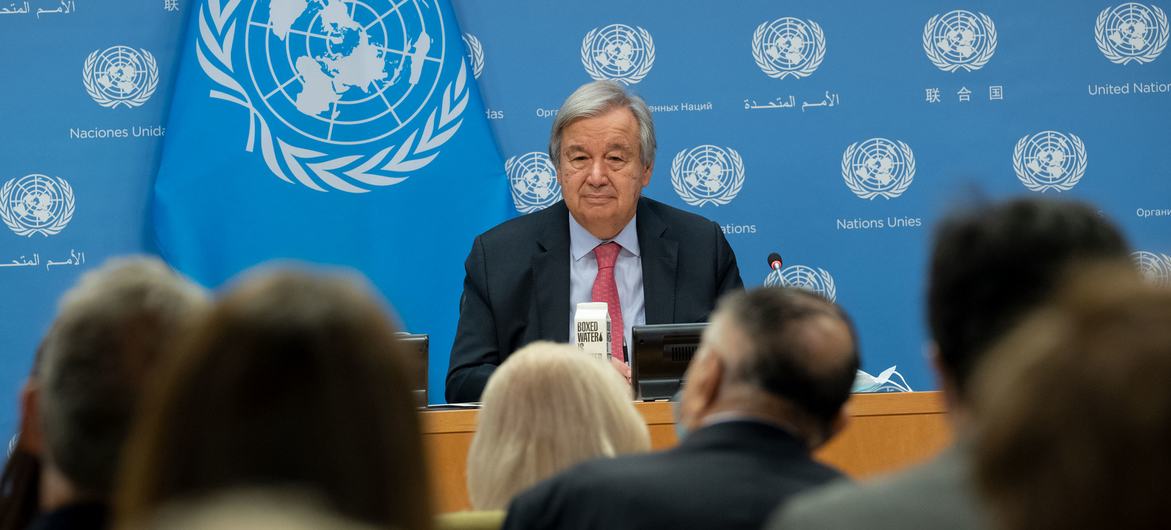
{"x":774,"y":262}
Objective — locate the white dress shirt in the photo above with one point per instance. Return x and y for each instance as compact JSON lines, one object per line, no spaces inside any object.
{"x":583,"y":269}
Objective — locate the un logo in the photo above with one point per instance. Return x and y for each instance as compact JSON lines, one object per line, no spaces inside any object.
{"x":817,"y":281}
{"x":618,"y":52}
{"x":707,"y":174}
{"x":120,"y":75}
{"x":1049,"y":160}
{"x":348,"y":95}
{"x":1131,"y":32}
{"x":533,"y":181}
{"x":475,"y":54}
{"x":878,"y":168}
{"x":788,"y":47}
{"x":36,"y":204}
{"x":1156,"y":268}
{"x":959,"y":40}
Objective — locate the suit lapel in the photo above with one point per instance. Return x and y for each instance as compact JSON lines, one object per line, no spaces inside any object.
{"x":660,"y":258}
{"x":551,"y":275}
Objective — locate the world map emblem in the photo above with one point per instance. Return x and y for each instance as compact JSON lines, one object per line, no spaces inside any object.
{"x":1156,"y":268}
{"x":533,"y":181}
{"x":959,"y":40}
{"x":36,"y":204}
{"x":1049,"y":160}
{"x":347,"y":95}
{"x":618,"y":52}
{"x":707,"y":174}
{"x":475,"y":54}
{"x":1131,"y":33}
{"x":878,"y":168}
{"x":788,"y":47}
{"x":120,"y":76}
{"x":818,"y":281}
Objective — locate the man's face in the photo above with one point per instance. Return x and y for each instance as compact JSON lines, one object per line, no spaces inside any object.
{"x":600,"y":171}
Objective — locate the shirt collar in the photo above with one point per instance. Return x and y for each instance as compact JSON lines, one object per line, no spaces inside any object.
{"x":582,"y":242}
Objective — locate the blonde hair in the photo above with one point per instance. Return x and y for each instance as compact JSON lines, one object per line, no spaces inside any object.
{"x":545,"y":409}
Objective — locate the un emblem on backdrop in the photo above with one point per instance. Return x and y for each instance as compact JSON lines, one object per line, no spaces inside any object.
{"x":959,"y":40}
{"x":817,"y":281}
{"x":1049,"y":160}
{"x":618,"y":52}
{"x":788,"y":47}
{"x":533,"y":181}
{"x":36,"y":204}
{"x":348,"y":95}
{"x":707,"y":174}
{"x":475,"y":54}
{"x":1156,"y":268}
{"x":878,"y":168}
{"x":1131,"y":32}
{"x":120,"y":76}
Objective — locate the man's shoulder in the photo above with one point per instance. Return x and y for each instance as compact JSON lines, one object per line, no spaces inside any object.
{"x":934,"y":493}
{"x":565,"y":500}
{"x":676,"y":218}
{"x":525,"y":228}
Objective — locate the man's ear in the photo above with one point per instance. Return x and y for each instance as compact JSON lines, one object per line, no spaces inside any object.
{"x":711,"y":375}
{"x":646,"y":174}
{"x":32,"y":437}
{"x":837,"y":425}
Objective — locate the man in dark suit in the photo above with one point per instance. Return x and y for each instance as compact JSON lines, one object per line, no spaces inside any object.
{"x":766,"y":387}
{"x":604,"y":242}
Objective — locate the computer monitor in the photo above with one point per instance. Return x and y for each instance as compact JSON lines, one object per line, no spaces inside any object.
{"x":661,"y":355}
{"x":417,"y":346}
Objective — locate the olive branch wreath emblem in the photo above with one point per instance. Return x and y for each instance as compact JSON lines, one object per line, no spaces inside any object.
{"x":772,"y":70}
{"x":351,"y":173}
{"x":855,"y":183}
{"x":1153,"y":50}
{"x":596,"y":73}
{"x":144,"y":92}
{"x":941,"y":61}
{"x":1027,"y":178}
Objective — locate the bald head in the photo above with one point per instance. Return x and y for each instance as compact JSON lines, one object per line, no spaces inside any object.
{"x":779,"y":351}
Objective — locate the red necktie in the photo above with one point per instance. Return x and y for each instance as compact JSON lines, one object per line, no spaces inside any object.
{"x":606,"y":290}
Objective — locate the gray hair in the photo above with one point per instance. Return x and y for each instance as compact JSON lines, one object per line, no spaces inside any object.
{"x":110,"y":330}
{"x":597,"y":98}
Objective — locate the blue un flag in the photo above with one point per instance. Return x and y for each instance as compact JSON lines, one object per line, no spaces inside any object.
{"x":341,"y":132}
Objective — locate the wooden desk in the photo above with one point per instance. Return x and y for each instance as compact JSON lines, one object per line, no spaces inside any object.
{"x":886,"y":432}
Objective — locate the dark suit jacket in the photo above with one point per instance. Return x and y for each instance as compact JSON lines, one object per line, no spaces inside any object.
{"x":725,"y":476}
{"x":79,"y":516}
{"x":516,"y":288}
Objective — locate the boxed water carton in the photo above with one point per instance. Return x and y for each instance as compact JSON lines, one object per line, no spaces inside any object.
{"x":591,"y":329}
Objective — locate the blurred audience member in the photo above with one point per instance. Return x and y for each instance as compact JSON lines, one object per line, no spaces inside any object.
{"x":766,"y":387}
{"x":548,"y":407}
{"x":252,"y":510}
{"x":21,"y":481}
{"x":294,"y":381}
{"x":1077,"y":412}
{"x":990,"y":266}
{"x":110,"y":335}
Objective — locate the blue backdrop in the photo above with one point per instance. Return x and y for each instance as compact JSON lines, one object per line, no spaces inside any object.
{"x":837,"y":135}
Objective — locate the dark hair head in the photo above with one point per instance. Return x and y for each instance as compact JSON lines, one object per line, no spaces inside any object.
{"x":111,"y":332}
{"x":992,"y":264}
{"x":1073,"y":410}
{"x":788,"y":354}
{"x":295,"y":380}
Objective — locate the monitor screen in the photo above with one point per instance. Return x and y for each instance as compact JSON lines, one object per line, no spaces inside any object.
{"x":416,"y":346}
{"x":661,"y":355}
